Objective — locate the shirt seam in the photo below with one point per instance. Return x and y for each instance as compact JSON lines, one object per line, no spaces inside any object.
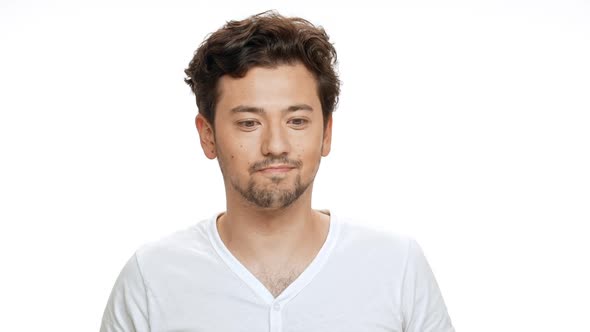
{"x":402,"y":285}
{"x":147,"y":289}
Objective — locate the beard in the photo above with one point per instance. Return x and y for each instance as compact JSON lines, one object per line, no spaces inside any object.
{"x":268,"y":195}
{"x":272,"y":197}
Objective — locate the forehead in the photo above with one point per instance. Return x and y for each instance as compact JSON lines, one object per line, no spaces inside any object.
{"x":273,"y":88}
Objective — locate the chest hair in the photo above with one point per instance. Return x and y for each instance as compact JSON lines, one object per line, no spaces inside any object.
{"x":277,"y":281}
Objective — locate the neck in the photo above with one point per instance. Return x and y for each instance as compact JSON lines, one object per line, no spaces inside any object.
{"x":269,"y":234}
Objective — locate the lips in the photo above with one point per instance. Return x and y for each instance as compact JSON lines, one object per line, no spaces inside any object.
{"x":277,"y":168}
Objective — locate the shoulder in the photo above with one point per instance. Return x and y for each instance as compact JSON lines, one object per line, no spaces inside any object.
{"x":364,"y":239}
{"x":355,"y":231}
{"x":175,"y":246}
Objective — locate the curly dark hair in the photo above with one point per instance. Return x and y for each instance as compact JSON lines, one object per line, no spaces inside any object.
{"x":267,"y":39}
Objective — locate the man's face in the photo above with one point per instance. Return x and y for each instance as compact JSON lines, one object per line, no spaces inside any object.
{"x":272,"y":117}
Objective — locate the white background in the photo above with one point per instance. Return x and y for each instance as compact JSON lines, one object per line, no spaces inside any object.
{"x":463,"y":124}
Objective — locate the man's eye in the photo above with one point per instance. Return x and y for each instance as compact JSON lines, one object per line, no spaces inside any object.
{"x":299,"y":122}
{"x":247,"y":123}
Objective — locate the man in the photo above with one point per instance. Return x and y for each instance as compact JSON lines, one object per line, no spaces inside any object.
{"x":266,"y":89}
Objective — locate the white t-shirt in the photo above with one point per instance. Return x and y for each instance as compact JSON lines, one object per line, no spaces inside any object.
{"x":361,"y":280}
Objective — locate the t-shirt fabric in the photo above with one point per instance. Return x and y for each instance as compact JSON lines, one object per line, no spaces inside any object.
{"x":360,"y":280}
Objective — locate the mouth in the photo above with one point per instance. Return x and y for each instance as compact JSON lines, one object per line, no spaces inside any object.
{"x":276,"y":169}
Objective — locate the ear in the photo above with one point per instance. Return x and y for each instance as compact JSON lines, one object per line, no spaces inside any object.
{"x":206,"y":135}
{"x":327,"y":140}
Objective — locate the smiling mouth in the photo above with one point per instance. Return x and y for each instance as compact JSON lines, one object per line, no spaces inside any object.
{"x":282,"y":165}
{"x":276,"y":170}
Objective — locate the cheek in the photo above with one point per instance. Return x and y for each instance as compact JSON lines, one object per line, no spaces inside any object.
{"x":313,"y":144}
{"x":238,"y":156}
{"x":309,"y":152}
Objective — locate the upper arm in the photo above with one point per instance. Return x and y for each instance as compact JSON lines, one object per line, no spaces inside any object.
{"x":127,"y":307}
{"x":424,"y":309}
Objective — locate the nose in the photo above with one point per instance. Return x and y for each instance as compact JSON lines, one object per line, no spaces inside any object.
{"x":275,"y":141}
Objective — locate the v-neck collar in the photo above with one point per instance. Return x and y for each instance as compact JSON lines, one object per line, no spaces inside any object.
{"x":297,"y":285}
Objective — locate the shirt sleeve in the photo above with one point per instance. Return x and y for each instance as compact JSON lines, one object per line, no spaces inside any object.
{"x":424,"y":309}
{"x":127,"y":307}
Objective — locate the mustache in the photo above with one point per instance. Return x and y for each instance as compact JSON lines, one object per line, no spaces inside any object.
{"x":271,"y":161}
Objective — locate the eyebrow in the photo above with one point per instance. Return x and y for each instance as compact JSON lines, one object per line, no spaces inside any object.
{"x":258,"y":110}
